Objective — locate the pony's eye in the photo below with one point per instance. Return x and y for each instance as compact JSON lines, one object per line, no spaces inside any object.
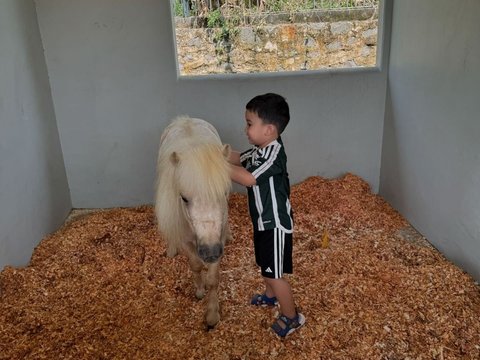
{"x":185,"y":200}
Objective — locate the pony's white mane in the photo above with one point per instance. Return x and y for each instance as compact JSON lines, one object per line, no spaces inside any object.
{"x":200,"y":169}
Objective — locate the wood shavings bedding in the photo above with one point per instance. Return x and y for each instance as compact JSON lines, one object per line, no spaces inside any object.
{"x":101,"y":287}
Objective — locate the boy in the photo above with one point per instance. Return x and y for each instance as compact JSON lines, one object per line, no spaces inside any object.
{"x":262,"y":169}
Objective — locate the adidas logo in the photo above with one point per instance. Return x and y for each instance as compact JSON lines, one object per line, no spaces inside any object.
{"x":268,"y":270}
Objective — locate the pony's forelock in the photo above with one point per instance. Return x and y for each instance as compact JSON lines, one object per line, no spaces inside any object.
{"x":205,"y":172}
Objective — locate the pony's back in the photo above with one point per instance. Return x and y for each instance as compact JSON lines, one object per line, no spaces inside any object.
{"x":190,"y":156}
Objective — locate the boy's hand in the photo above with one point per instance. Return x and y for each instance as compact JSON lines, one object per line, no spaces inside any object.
{"x":234,"y":158}
{"x":241,"y":176}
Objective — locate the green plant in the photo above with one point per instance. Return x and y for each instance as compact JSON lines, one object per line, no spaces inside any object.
{"x":178,"y":8}
{"x":213,"y":10}
{"x":224,"y":23}
{"x":215,"y":19}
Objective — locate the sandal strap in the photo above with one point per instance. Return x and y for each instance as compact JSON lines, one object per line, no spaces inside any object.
{"x":291,"y":324}
{"x":262,"y":299}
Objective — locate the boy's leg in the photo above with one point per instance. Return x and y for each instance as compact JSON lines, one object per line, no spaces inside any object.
{"x":268,"y":289}
{"x":289,"y":320}
{"x":273,"y":253}
{"x":283,"y":291}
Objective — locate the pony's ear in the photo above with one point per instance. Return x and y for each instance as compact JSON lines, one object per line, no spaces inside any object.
{"x":174,"y":158}
{"x":226,"y":151}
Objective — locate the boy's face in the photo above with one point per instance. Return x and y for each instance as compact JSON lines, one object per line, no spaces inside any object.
{"x":258,"y":133}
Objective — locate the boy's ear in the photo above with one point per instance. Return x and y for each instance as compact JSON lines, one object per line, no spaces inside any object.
{"x":271,"y":129}
{"x":226,"y":151}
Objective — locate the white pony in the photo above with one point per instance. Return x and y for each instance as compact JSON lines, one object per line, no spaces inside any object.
{"x":193,"y":183}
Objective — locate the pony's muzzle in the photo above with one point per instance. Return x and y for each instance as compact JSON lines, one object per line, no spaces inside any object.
{"x":210,"y":254}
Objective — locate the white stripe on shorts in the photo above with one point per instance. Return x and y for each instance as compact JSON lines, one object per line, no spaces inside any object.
{"x":278,"y":252}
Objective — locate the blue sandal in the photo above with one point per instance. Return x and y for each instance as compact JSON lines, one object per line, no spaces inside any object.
{"x":263,"y":300}
{"x":290,"y":324}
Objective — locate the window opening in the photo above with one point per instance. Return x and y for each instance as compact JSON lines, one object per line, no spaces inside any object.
{"x":257,"y":36}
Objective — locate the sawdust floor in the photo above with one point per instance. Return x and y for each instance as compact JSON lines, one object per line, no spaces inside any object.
{"x":101,"y":287}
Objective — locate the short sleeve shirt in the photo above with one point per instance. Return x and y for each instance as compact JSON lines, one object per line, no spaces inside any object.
{"x":269,"y":200}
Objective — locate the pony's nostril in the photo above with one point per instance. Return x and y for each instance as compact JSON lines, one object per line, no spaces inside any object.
{"x":202,"y":251}
{"x":210,"y":254}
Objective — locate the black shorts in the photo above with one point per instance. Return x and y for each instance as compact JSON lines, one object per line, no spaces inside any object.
{"x":273,"y":252}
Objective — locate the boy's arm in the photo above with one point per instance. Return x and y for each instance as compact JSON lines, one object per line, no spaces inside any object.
{"x":242,"y":176}
{"x":235,"y":158}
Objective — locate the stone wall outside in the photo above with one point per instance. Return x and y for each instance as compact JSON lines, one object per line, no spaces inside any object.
{"x":279,"y":47}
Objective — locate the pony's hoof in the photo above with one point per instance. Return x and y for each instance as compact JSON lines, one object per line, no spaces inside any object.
{"x":200,"y":294}
{"x":172,"y":252}
{"x":212,"y":320}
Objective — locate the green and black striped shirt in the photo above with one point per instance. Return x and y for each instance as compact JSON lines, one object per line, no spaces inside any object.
{"x":269,"y":199}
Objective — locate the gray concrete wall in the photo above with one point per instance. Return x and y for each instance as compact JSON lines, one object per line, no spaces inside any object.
{"x":113,"y":75}
{"x":34,"y":196}
{"x":431,"y":147}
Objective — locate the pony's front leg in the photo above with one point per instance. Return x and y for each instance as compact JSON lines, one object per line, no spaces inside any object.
{"x":171,"y":251}
{"x":228,"y":234}
{"x":196,"y":265}
{"x":212,"y":316}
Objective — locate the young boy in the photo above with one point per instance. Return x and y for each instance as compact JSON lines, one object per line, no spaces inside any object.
{"x":263,"y":170}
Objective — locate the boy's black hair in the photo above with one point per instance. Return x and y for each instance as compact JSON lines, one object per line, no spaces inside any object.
{"x":272,"y":109}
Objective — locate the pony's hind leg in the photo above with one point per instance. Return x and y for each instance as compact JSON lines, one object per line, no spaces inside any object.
{"x":196,"y":265}
{"x":212,"y":316}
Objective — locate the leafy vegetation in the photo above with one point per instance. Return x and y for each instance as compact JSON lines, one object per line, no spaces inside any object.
{"x":206,"y":7}
{"x":225,"y":28}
